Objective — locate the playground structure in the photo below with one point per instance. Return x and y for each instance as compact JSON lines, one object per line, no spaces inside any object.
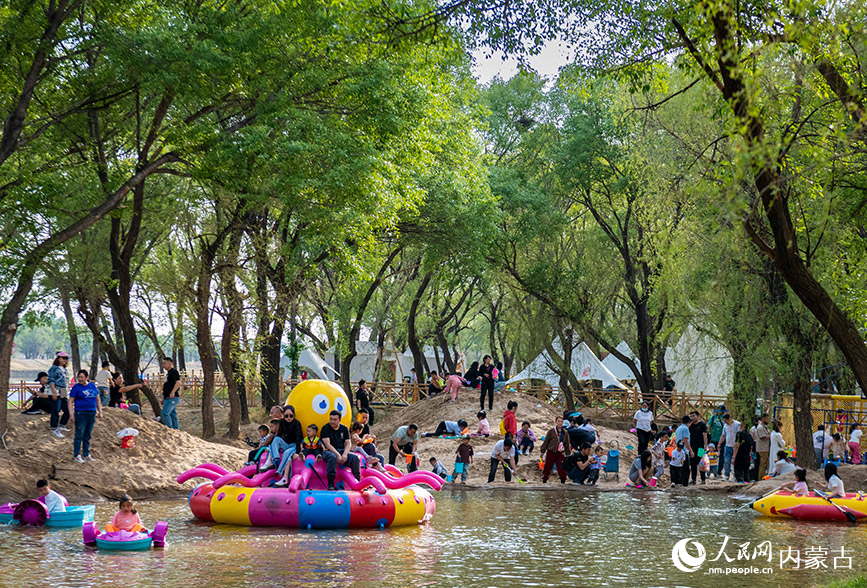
{"x":836,"y":411}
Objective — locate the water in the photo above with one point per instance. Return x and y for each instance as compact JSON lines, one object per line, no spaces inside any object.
{"x":496,"y":538}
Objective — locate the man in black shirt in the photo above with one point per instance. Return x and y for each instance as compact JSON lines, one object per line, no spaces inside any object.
{"x":338,"y":448}
{"x":171,"y":388}
{"x":578,"y":435}
{"x":697,"y":440}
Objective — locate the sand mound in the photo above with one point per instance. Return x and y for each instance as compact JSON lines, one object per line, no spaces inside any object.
{"x":148,"y":470}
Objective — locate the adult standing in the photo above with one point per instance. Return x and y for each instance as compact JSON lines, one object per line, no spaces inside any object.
{"x":171,"y":388}
{"x":58,"y":382}
{"x":117,"y":390}
{"x":668,"y":386}
{"x":715,"y":427}
{"x":503,"y":451}
{"x":681,"y":438}
{"x":641,"y":422}
{"x":697,"y":440}
{"x":819,"y":445}
{"x":554,"y":448}
{"x":763,"y":446}
{"x":728,"y":439}
{"x":103,"y":382}
{"x":777,"y":441}
{"x":86,"y":408}
{"x":362,"y":399}
{"x":741,"y":456}
{"x":404,"y":442}
{"x":486,"y":373}
{"x":338,"y":448}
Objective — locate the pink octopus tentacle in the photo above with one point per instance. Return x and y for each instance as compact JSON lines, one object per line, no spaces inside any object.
{"x":345,"y":475}
{"x":197,"y":473}
{"x":214,"y":467}
{"x":237,"y":478}
{"x":417,"y":477}
{"x":393,"y":470}
{"x":300,"y":481}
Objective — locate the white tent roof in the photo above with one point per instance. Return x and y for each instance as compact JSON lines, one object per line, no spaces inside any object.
{"x":698,"y":363}
{"x":310,"y":360}
{"x":585,"y":366}
{"x":617,"y":367}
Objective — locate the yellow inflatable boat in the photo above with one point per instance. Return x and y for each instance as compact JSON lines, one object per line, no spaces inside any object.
{"x":811,"y":507}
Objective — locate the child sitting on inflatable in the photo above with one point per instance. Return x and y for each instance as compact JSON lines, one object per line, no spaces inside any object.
{"x":364,"y":446}
{"x":126,"y":519}
{"x":253,"y":456}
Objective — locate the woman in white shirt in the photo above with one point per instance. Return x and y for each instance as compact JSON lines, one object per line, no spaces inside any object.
{"x":777,"y":444}
{"x":641,"y":422}
{"x":783,"y":465}
{"x":855,"y":444}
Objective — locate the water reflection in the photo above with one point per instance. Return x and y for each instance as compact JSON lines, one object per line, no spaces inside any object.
{"x":497,"y":538}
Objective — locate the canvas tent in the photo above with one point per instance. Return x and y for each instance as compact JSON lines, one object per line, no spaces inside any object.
{"x":585,"y":366}
{"x":315,"y":366}
{"x":620,"y":370}
{"x":430,"y":356}
{"x":698,"y":363}
{"x":364,"y":363}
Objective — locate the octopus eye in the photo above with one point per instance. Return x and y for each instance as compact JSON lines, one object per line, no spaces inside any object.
{"x":320,"y":403}
{"x":340,"y":406}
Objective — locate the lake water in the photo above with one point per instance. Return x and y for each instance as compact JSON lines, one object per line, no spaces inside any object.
{"x":491,"y":538}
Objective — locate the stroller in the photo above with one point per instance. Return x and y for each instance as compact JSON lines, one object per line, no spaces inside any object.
{"x":612,"y":464}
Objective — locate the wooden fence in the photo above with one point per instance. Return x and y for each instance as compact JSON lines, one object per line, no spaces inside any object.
{"x":592,"y":402}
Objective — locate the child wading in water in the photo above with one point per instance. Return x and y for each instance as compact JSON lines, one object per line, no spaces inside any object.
{"x":126,"y":519}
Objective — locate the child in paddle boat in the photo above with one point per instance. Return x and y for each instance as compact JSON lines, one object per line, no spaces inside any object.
{"x":53,"y":500}
{"x":834,"y":483}
{"x":799,"y":486}
{"x":126,"y":519}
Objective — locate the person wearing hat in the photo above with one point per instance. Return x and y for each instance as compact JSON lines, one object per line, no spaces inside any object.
{"x":40,"y":402}
{"x":58,"y":383}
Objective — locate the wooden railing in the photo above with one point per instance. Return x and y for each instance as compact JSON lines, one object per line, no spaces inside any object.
{"x":592,"y":402}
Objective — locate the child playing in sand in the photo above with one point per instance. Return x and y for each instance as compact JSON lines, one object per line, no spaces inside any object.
{"x":53,"y":501}
{"x":799,"y":486}
{"x":126,"y":519}
{"x":438,"y":468}
{"x":593,"y":476}
{"x":484,"y":427}
{"x":525,"y":439}
{"x":463,"y":456}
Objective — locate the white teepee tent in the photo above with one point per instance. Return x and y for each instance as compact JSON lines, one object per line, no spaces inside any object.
{"x":585,"y":366}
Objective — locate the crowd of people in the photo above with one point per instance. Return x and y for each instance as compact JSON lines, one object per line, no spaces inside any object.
{"x":80,"y":402}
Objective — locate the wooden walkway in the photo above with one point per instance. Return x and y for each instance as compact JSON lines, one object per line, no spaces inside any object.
{"x":592,"y":402}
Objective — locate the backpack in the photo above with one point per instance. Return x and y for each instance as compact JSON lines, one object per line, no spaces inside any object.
{"x":502,"y":426}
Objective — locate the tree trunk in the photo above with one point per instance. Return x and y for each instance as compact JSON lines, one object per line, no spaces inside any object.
{"x":450,"y":364}
{"x":418,"y":359}
{"x":269,"y":361}
{"x":73,"y":332}
{"x":203,"y":335}
{"x":230,"y":346}
{"x":744,"y":387}
{"x":95,"y":362}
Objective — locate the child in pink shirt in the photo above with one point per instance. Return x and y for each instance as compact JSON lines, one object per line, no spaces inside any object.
{"x":484,"y":427}
{"x":453,"y":386}
{"x":126,"y":519}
